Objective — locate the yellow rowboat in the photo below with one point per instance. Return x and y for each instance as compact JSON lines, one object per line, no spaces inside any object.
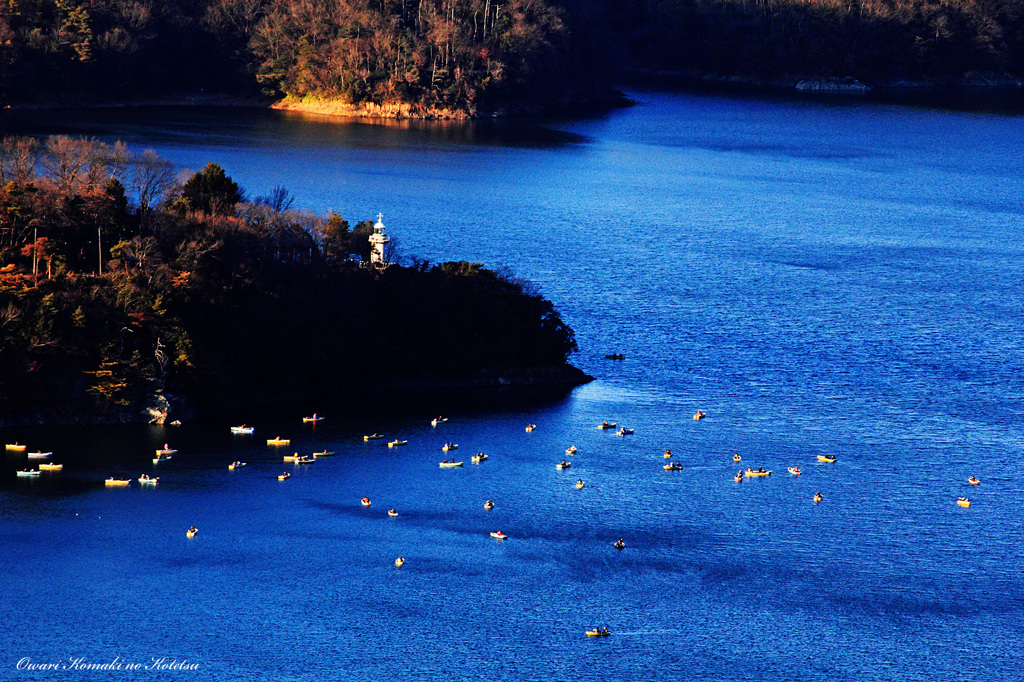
{"x":313,"y":419}
{"x":191,"y":532}
{"x":399,"y":561}
{"x":827,"y":458}
{"x":668,"y":454}
{"x":753,"y":474}
{"x":699,"y":415}
{"x":51,"y":467}
{"x":279,"y":441}
{"x":292,"y":458}
{"x":478,"y":457}
{"x":964,"y":502}
{"x":530,"y":427}
{"x":737,"y":458}
{"x":598,"y":632}
{"x":580,"y":484}
{"x":449,"y":465}
{"x":14,"y":447}
{"x":117,"y":482}
{"x":673,"y":467}
{"x":818,"y":497}
{"x":284,"y":476}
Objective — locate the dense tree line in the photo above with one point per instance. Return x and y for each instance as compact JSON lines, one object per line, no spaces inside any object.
{"x":107,"y":299}
{"x":467,"y":56}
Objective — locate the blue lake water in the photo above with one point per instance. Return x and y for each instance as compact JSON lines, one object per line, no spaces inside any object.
{"x":818,"y":277}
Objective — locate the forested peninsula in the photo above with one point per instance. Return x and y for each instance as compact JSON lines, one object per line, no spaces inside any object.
{"x":128,"y":295}
{"x":465,"y":58}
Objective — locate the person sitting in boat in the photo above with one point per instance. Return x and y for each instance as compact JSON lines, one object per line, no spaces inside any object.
{"x":760,"y":470}
{"x":796,"y":469}
{"x":749,"y":470}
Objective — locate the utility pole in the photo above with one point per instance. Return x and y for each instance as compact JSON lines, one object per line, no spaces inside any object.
{"x":99,"y":248}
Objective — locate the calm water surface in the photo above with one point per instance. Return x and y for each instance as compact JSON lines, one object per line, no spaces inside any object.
{"x":839,"y":277}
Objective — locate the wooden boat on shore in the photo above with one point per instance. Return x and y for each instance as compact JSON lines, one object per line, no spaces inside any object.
{"x":47,"y":466}
{"x":451,"y":464}
{"x":829,"y":459}
{"x":117,"y":482}
{"x":279,"y":441}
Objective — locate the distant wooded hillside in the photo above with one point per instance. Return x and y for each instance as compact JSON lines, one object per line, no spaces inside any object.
{"x":445,"y":57}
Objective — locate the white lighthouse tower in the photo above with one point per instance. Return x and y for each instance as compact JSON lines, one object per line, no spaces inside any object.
{"x":377,"y":241}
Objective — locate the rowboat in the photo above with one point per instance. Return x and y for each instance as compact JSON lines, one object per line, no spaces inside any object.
{"x":563,"y":465}
{"x":399,"y":561}
{"x":325,"y":453}
{"x":478,"y":457}
{"x":450,"y":446}
{"x":279,"y":441}
{"x":305,"y":459}
{"x":291,"y":458}
{"x":438,"y":420}
{"x":668,"y":454}
{"x":162,"y":458}
{"x":498,"y":534}
{"x":571,"y":450}
{"x":794,"y":470}
{"x":191,"y":532}
{"x":313,"y":419}
{"x":46,"y":466}
{"x":39,"y":455}
{"x":761,"y":472}
{"x":28,"y":472}
{"x":674,"y":466}
{"x":737,"y":458}
{"x":392,"y":513}
{"x":242,"y":429}
{"x":236,"y":465}
{"x":964,"y":502}
{"x":738,"y":477}
{"x":165,"y":450}
{"x":619,"y":544}
{"x":606,"y":425}
{"x":818,"y":497}
{"x":699,"y":415}
{"x":117,"y":482}
{"x":365,"y":501}
{"x":580,"y":484}
{"x":147,"y":480}
{"x":970,"y":481}
{"x":624,"y":432}
{"x":488,"y":505}
{"x":373,"y":436}
{"x":396,"y":443}
{"x":597,"y":632}
{"x":530,"y":427}
{"x":449,"y":465}
{"x":827,"y":458}
{"x":284,"y":476}
{"x":14,"y":447}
